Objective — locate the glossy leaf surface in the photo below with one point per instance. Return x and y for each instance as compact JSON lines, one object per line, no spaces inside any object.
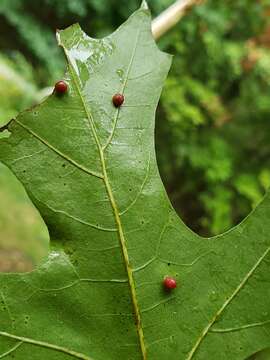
{"x":90,"y":169}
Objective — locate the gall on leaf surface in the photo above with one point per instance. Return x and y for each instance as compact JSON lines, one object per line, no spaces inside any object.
{"x":91,"y":171}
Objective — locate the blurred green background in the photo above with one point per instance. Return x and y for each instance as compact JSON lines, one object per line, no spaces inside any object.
{"x":213,"y":121}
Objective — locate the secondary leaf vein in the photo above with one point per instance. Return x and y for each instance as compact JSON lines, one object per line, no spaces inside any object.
{"x":10,"y":351}
{"x":225,"y":304}
{"x":46,"y":345}
{"x":58,"y":152}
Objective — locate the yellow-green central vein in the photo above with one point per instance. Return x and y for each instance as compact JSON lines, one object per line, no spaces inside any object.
{"x":105,"y":178}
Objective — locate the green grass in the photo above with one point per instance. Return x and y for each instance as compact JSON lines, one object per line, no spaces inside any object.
{"x":23,"y":234}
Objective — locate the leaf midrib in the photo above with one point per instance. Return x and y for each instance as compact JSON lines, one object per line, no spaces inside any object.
{"x":106,"y":181}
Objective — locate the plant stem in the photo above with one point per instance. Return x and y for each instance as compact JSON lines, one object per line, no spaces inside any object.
{"x":170,"y":17}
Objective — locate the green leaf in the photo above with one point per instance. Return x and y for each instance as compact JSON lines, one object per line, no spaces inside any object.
{"x":91,"y":171}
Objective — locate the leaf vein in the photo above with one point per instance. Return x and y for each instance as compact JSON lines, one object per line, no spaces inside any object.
{"x":58,"y":152}
{"x":225,"y":304}
{"x":122,"y":239}
{"x":140,"y":190}
{"x":98,"y":227}
{"x":238,"y":328}
{"x":122,"y":91}
{"x":46,"y":345}
{"x":10,"y":351}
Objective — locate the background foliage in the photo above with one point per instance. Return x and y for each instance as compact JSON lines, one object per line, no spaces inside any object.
{"x":213,"y":122}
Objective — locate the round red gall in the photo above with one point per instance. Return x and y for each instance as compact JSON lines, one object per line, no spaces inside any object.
{"x":169,"y":283}
{"x":118,"y":100}
{"x":61,"y":87}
